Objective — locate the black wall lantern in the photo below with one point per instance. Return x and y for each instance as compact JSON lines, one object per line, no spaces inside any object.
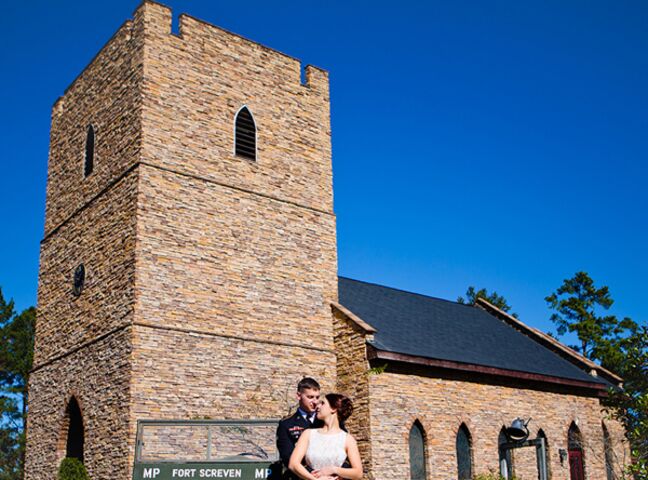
{"x":563,"y":455}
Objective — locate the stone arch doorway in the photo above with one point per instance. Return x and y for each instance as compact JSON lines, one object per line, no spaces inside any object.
{"x":73,"y":430}
{"x":575,"y":449}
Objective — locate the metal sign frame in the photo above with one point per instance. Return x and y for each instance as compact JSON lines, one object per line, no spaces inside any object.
{"x":541,"y":453}
{"x":243,"y":468}
{"x":141,"y":424}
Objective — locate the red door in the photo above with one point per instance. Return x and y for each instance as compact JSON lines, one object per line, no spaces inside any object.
{"x":576,"y":465}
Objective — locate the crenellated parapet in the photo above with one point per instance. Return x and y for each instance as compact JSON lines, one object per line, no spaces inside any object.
{"x":200,"y":36}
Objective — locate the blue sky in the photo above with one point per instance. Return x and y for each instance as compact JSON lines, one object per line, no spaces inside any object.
{"x":501,"y":144}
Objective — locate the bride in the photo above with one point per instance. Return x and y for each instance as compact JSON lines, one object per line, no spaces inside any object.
{"x":326,"y":448}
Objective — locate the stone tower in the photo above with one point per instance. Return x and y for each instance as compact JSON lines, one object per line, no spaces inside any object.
{"x":177,"y":279}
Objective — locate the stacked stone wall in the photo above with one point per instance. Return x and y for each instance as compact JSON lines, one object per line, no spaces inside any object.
{"x":82,"y":344}
{"x":226,"y":267}
{"x":91,"y":220}
{"x":236,"y":259}
{"x":187,"y":375}
{"x":98,"y":377}
{"x":353,"y":372}
{"x":215,"y":259}
{"x":106,"y":95}
{"x":102,"y":238}
{"x":209,"y":376}
{"x":619,"y":451}
{"x":443,"y":405}
{"x":195,"y":83}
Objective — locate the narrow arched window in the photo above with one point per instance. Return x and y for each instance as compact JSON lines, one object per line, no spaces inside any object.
{"x":575,"y":449}
{"x":464,"y":453}
{"x":417,"y":452}
{"x":75,"y":434}
{"x":245,"y":134}
{"x":609,"y":454}
{"x":547,"y":461}
{"x":89,"y":151}
{"x":505,"y":456}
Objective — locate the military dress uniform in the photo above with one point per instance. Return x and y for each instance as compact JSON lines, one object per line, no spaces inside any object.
{"x":288,"y":432}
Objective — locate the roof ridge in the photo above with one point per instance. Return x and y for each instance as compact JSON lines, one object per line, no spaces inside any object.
{"x":508,"y":318}
{"x":406,"y":291}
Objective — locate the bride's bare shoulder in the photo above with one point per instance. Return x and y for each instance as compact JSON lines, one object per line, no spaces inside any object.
{"x":305,"y":434}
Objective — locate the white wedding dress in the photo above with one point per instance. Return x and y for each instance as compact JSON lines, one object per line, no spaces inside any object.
{"x":326,"y":450}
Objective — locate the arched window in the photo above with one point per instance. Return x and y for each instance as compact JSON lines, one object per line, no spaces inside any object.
{"x":74,"y":444}
{"x":609,"y":454}
{"x":464,"y":453}
{"x":505,"y":456}
{"x":541,"y":434}
{"x":575,"y":449}
{"x":417,"y":452}
{"x":245,"y":134}
{"x":89,"y":151}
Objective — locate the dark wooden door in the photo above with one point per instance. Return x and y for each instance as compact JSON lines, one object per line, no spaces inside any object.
{"x":576,"y":465}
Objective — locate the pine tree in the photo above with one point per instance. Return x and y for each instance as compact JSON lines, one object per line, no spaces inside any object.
{"x":576,"y":304}
{"x":16,"y":355}
{"x":493,"y":298}
{"x":628,"y":357}
{"x":619,"y":345}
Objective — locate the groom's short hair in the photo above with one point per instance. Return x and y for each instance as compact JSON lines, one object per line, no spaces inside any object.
{"x":307,"y":382}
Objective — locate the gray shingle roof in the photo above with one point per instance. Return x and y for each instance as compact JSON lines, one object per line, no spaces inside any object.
{"x":414,"y":324}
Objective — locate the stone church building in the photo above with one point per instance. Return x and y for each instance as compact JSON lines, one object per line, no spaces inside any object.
{"x":188,"y":270}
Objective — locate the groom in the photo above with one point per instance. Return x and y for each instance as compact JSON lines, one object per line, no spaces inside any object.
{"x":291,"y":427}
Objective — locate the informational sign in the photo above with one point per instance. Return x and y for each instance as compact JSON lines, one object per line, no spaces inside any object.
{"x":241,"y":471}
{"x":206,"y":449}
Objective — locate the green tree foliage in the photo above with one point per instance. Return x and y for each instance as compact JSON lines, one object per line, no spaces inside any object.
{"x":618,"y":345}
{"x":628,"y":356}
{"x":493,"y":298}
{"x":16,"y":355}
{"x":492,"y":475}
{"x":72,"y":469}
{"x":576,"y":304}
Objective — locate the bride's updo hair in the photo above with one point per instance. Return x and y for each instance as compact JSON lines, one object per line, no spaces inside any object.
{"x":342,"y":404}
